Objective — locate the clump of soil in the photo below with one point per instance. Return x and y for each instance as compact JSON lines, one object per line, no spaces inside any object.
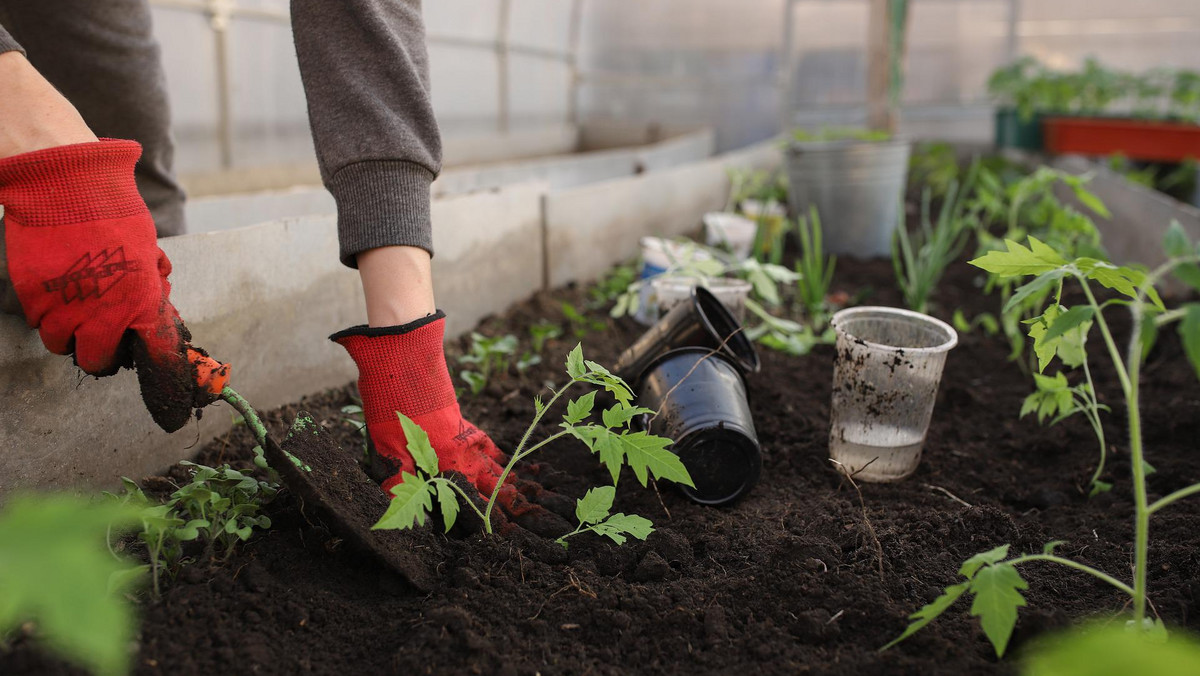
{"x":786,"y":581}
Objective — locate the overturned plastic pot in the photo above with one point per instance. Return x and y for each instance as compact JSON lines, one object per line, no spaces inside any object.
{"x":699,"y":402}
{"x":700,"y":321}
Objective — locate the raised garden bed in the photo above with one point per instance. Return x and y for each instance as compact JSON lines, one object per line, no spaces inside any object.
{"x":800,"y":577}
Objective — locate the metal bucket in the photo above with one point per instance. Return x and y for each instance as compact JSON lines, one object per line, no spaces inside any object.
{"x":856,"y":187}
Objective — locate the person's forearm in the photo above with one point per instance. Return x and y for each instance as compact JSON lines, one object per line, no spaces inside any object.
{"x":33,"y":115}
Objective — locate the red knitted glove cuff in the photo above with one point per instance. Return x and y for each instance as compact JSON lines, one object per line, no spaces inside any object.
{"x":79,"y":183}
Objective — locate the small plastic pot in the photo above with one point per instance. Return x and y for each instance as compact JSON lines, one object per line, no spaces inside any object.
{"x":885,"y":380}
{"x":730,"y":231}
{"x":670,"y":291}
{"x":658,"y":256}
{"x":702,"y":321}
{"x":700,"y":402}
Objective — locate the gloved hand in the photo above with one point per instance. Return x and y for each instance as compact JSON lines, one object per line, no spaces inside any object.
{"x":84,"y":262}
{"x":403,"y":368}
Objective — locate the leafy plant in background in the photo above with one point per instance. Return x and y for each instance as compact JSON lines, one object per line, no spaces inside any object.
{"x":933,"y":165}
{"x":542,"y":332}
{"x":815,"y":270}
{"x":581,"y":324}
{"x":1176,"y":180}
{"x":56,"y":575}
{"x":611,"y":440}
{"x":920,"y":259}
{"x":612,"y":285}
{"x":1029,"y":205}
{"x":758,"y":185}
{"x":489,"y":355}
{"x":352,"y":415}
{"x":992,"y":577}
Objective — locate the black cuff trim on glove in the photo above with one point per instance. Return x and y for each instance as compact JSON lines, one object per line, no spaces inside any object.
{"x":376,"y":331}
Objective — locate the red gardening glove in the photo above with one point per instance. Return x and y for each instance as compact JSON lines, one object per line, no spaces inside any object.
{"x":85,"y":265}
{"x":403,"y":368}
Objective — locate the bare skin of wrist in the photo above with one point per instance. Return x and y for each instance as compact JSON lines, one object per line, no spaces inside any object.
{"x":33,"y":115}
{"x":398,"y":284}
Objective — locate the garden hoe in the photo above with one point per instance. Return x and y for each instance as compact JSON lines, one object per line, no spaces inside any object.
{"x":321,"y":474}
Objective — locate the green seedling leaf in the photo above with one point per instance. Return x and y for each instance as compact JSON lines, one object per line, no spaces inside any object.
{"x":1175,"y":242}
{"x":413,"y":500}
{"x":418,"y":445}
{"x":1089,"y":200}
{"x":447,"y":502}
{"x":1049,"y":547}
{"x":1036,"y":288}
{"x":973,"y":564}
{"x":1067,"y":321}
{"x":1110,"y":650}
{"x":595,"y":505}
{"x":617,"y":526}
{"x":56,"y":573}
{"x":930,"y":612}
{"x":997,"y":596}
{"x":1099,"y":487}
{"x":579,"y":409}
{"x":619,"y":416}
{"x":647,"y":454}
{"x":1189,"y":334}
{"x":1018,"y":260}
{"x":575,"y":366}
{"x":1122,"y":279}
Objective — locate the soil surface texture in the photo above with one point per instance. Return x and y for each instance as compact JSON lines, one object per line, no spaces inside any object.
{"x":805,"y":575}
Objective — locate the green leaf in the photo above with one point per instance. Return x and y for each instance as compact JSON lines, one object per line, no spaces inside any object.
{"x":1035,"y":288}
{"x":930,"y":612}
{"x":617,"y":526}
{"x":1069,"y":320}
{"x":1099,"y":487}
{"x":619,"y":416}
{"x":419,"y":446}
{"x":997,"y":597}
{"x":1018,"y":260}
{"x":971,"y":565}
{"x":447,"y":502}
{"x":1090,"y":201}
{"x":56,"y":573}
{"x":575,"y":367}
{"x":1175,"y":242}
{"x":647,"y":454}
{"x":1189,"y":333}
{"x":1049,"y":547}
{"x":1188,"y":273}
{"x":1111,"y":650}
{"x":595,"y":505}
{"x":413,"y":500}
{"x":579,"y":409}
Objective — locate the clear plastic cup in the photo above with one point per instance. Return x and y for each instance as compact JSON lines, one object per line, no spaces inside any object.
{"x":670,"y":290}
{"x":885,"y":380}
{"x":730,"y":231}
{"x":659,"y":256}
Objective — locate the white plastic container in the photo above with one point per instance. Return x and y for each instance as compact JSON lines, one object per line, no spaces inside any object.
{"x":660,"y":255}
{"x":885,"y":381}
{"x":670,"y":290}
{"x":730,"y":231}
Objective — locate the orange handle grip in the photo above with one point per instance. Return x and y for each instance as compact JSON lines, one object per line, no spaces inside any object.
{"x":211,"y":375}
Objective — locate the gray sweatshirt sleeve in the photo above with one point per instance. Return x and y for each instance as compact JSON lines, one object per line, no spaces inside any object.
{"x":7,"y":43}
{"x":366,"y":77}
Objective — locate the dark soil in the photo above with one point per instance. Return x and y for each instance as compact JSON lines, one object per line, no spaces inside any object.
{"x":790,"y":580}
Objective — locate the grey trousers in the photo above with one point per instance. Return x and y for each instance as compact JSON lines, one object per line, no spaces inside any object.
{"x":366,"y":80}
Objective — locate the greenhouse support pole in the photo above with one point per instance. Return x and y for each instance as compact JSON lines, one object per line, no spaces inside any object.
{"x":886,"y":28}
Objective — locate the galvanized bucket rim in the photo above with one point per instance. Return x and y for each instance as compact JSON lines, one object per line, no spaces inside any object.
{"x":800,"y":146}
{"x":948,"y":331}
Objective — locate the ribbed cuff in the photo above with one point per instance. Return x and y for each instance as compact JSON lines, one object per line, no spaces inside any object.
{"x":75,"y":183}
{"x":7,"y":43}
{"x":381,"y":203}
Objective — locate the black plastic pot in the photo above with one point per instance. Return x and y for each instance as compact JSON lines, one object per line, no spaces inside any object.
{"x":700,"y":400}
{"x":701,"y":321}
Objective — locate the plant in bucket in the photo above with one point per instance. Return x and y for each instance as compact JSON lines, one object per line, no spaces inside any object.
{"x":885,"y":381}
